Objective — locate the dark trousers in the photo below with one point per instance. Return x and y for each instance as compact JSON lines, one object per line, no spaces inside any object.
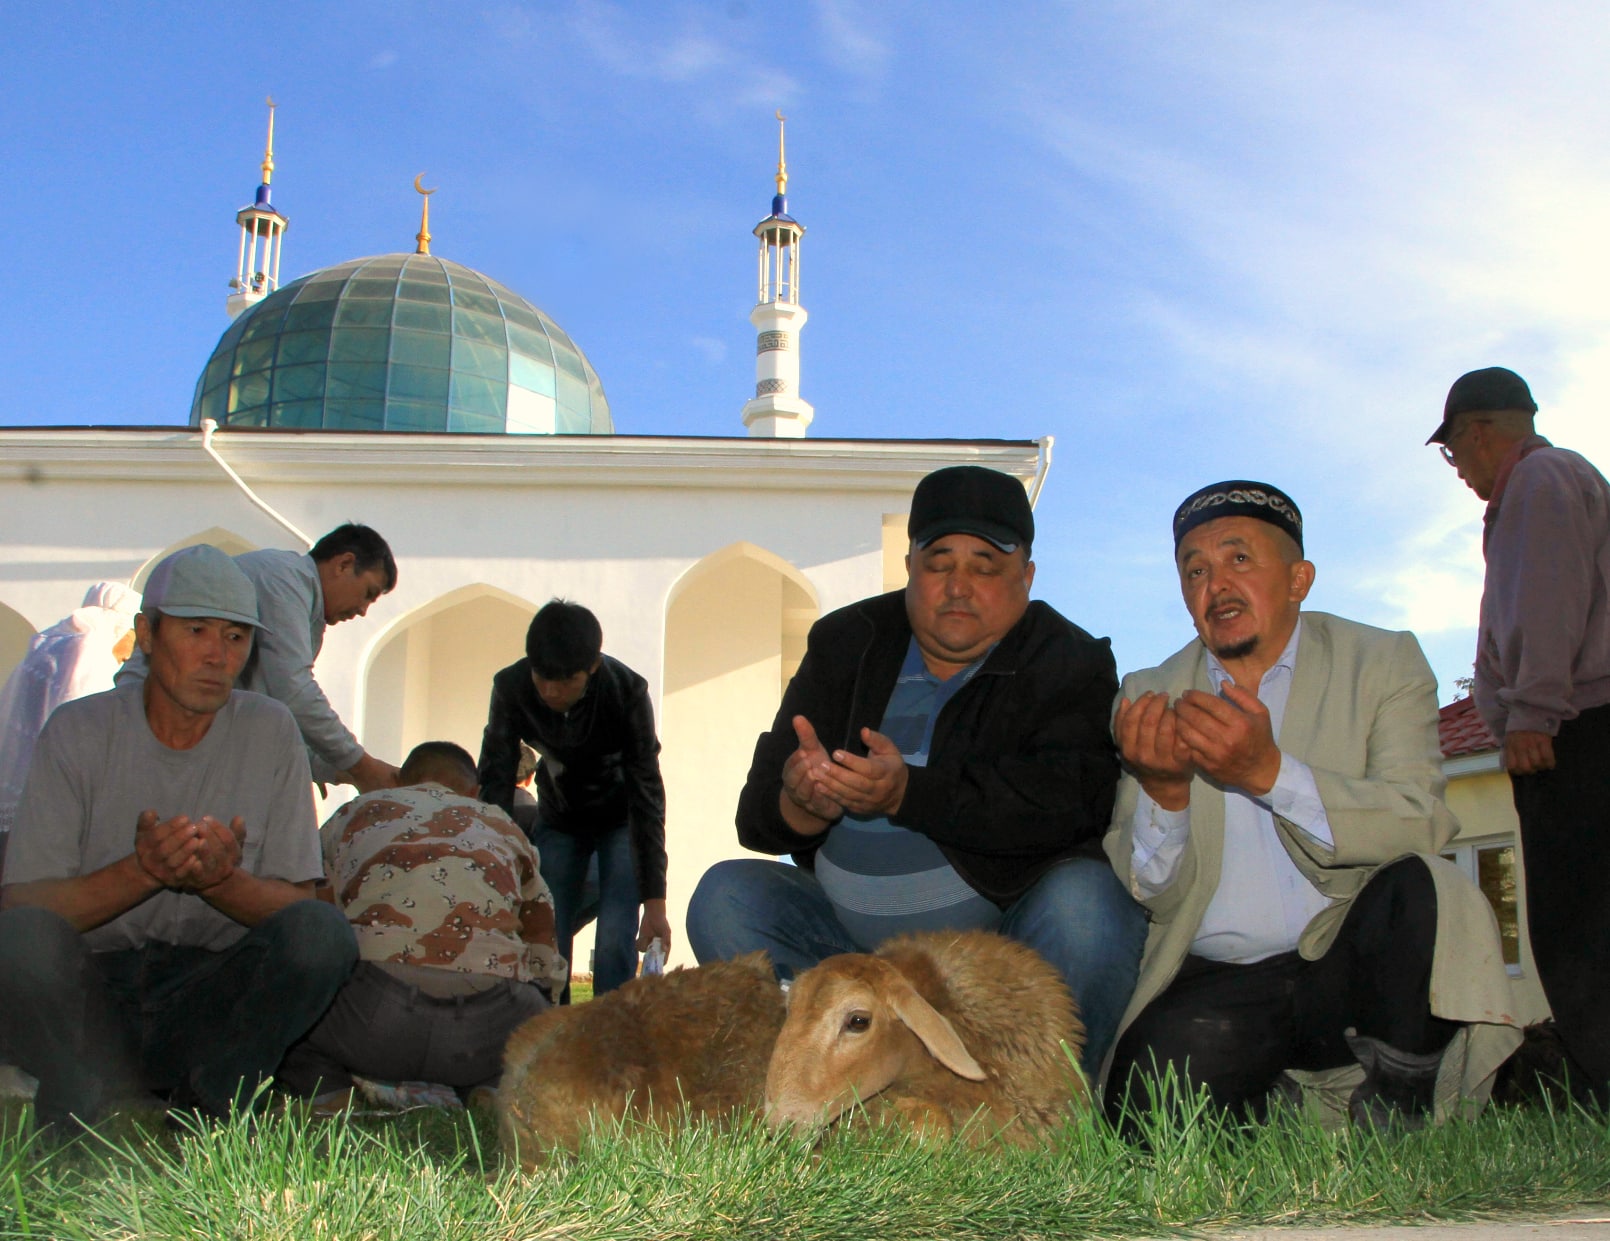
{"x":1236,"y":1028}
{"x":99,"y":1029}
{"x":381,"y":1027}
{"x":1565,"y":840}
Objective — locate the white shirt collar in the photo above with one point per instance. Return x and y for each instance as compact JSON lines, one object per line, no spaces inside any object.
{"x":1218,"y":674}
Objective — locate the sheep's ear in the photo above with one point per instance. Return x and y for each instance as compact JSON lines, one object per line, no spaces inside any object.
{"x":934,"y":1029}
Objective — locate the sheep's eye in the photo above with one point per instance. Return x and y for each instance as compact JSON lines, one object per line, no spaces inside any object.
{"x":858,"y":1023}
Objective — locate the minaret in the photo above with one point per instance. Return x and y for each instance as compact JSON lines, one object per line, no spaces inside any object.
{"x":257,"y":272}
{"x":777,"y":410}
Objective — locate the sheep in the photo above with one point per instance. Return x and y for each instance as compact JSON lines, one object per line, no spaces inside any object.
{"x":933,"y":1030}
{"x":702,"y":1037}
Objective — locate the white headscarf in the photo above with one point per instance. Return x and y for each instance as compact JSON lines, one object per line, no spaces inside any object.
{"x":72,"y":658}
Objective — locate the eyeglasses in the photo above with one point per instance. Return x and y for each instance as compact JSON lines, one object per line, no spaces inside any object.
{"x":1446,"y":449}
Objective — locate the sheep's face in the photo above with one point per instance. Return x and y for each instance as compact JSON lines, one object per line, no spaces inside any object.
{"x":855,"y":1025}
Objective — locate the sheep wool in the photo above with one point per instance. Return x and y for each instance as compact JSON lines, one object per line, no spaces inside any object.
{"x":696,"y":1037}
{"x":957,"y":1033}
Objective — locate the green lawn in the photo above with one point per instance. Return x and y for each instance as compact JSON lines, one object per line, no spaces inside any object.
{"x":427,"y":1175}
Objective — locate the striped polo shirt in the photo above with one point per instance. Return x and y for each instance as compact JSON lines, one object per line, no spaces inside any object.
{"x":883,"y":879}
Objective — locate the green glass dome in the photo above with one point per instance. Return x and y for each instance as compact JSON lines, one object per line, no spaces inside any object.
{"x":400,"y":342}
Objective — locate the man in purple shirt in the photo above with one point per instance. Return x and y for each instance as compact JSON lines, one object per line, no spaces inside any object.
{"x":1543,"y":685}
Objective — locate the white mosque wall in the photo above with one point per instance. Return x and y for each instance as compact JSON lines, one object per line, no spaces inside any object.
{"x":15,"y":634}
{"x":705,"y":560}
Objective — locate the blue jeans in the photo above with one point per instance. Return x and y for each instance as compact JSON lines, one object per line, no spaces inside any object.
{"x":100,"y":1028}
{"x":1077,"y":916}
{"x":565,"y":862}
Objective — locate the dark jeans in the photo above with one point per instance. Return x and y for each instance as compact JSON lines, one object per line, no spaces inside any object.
{"x":384,"y":1028}
{"x":1077,"y":916}
{"x":1565,"y":842}
{"x":98,"y":1029}
{"x":1236,"y":1028}
{"x":565,"y":863}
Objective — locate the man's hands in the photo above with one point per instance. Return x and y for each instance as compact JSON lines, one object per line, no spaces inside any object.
{"x":188,"y":855}
{"x":1147,"y":732}
{"x":1228,"y":737}
{"x":801,"y":788}
{"x":370,"y":773}
{"x":655,"y":925}
{"x":1526,"y":752}
{"x":818,"y":787}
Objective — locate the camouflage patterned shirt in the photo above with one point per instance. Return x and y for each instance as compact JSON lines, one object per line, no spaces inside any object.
{"x":428,"y":877}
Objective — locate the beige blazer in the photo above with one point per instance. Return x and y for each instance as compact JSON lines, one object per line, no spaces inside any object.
{"x":1362,"y":714}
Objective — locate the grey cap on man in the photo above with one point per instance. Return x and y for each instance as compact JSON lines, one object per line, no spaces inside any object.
{"x":201,"y":581}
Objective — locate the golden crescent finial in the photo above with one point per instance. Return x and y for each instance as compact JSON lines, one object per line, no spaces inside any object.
{"x":782,"y":164}
{"x":268,"y":150}
{"x":422,"y":237}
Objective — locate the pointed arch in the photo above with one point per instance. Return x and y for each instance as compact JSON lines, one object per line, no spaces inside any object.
{"x":752,"y":571}
{"x":224,"y":540}
{"x":428,"y":674}
{"x":735,"y":627}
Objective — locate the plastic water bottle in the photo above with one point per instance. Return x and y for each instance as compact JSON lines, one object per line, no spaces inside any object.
{"x":654,"y":958}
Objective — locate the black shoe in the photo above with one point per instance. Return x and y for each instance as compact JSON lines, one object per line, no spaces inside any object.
{"x":1399,"y":1087}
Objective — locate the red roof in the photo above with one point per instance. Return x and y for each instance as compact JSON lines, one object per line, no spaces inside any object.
{"x":1461,"y":731}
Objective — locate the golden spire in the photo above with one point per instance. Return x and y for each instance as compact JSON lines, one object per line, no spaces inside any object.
{"x":423,"y":235}
{"x":268,"y":151}
{"x":782,"y":164}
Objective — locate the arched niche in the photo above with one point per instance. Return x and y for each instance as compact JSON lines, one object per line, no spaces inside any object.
{"x":429,"y":674}
{"x":735,"y":630}
{"x":226,"y":541}
{"x":15,"y":634}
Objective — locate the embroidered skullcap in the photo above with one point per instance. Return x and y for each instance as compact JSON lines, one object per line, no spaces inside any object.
{"x":1238,"y":498}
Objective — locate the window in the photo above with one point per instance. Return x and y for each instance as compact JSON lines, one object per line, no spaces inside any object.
{"x":1491,"y":867}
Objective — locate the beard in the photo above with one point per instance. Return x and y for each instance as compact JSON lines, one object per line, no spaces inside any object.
{"x":1238,"y":650}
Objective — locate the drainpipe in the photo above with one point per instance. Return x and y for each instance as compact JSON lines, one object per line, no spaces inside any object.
{"x":1040,"y":470}
{"x":208,"y":426}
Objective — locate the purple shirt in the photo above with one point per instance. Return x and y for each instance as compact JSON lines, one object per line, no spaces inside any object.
{"x":1543,"y":649}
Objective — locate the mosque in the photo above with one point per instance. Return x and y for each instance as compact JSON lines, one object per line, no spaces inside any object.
{"x":425,"y":399}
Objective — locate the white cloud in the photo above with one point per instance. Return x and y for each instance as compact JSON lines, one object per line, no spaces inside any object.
{"x":682,"y":50}
{"x":383,"y":59}
{"x":849,"y":41}
{"x":1356,"y":206}
{"x":713,"y":348}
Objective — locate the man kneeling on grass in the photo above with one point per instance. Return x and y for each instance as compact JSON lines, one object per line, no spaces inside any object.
{"x":455,"y":934}
{"x":1280,"y":817}
{"x":158,"y":931}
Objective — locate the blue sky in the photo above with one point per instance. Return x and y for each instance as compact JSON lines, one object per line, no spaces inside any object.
{"x":1190,"y":240}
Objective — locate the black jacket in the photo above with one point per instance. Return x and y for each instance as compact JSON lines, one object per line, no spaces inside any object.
{"x":599,"y":762}
{"x":1021,"y":772}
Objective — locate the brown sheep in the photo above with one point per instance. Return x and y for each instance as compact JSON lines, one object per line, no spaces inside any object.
{"x":702,"y":1036}
{"x":930,"y":1030}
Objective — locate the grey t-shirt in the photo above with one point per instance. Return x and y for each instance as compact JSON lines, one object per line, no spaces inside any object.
{"x":97,"y":766}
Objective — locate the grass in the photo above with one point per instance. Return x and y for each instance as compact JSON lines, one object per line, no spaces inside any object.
{"x":423,"y":1175}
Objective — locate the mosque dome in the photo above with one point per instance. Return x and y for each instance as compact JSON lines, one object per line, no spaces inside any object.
{"x":400,"y":342}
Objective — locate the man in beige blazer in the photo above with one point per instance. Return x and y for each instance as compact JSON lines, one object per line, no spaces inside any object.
{"x":1280,"y":817}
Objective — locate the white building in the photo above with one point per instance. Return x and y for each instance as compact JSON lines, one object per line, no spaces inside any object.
{"x":416,"y":396}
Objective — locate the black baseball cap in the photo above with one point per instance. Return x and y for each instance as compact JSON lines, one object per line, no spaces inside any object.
{"x":969,"y":499}
{"x":1491,"y":388}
